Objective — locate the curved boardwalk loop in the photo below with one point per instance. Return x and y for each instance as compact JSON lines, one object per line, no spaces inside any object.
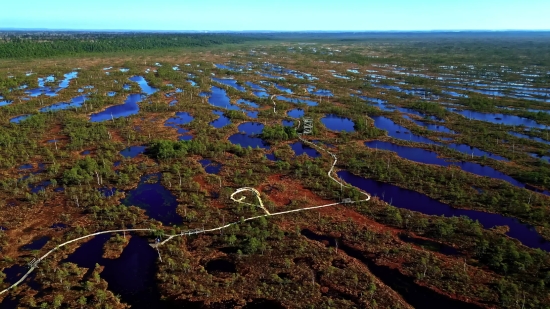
{"x":35,"y":263}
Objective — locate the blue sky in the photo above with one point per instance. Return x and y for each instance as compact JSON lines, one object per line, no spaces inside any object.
{"x":278,"y":14}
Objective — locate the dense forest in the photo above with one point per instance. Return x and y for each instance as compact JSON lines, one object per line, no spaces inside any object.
{"x":33,"y":46}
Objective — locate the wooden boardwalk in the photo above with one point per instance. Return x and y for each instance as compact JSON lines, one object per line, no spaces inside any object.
{"x":34,"y":264}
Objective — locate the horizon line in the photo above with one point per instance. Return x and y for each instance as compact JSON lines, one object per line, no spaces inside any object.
{"x":277,"y":31}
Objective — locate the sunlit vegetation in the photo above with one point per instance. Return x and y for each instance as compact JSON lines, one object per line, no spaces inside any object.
{"x":131,"y":153}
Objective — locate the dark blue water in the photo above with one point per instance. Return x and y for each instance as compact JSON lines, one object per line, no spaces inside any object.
{"x":509,"y":120}
{"x":41,"y":186}
{"x":37,"y":244}
{"x":159,"y":203}
{"x":132,"y":275}
{"x":252,"y":114}
{"x":288,"y":123}
{"x":145,"y":88}
{"x":454,"y":94}
{"x":300,"y":148}
{"x":221,"y":122}
{"x":5,"y":102}
{"x":469,"y":150}
{"x":180,"y":119}
{"x":107,"y":192}
{"x":261,"y":94}
{"x":133,"y":151}
{"x":296,"y":113}
{"x":434,"y":127}
{"x":85,"y":152}
{"x":271,"y":157}
{"x":429,"y":157}
{"x":59,"y":225}
{"x":412,"y":200}
{"x":296,"y":101}
{"x":417,"y":113}
{"x":381,"y":104}
{"x":130,"y":107}
{"x":14,"y":273}
{"x":75,"y":103}
{"x":246,"y":136}
{"x":225,"y":67}
{"x":219,"y":98}
{"x":211,"y":167}
{"x":544,"y":158}
{"x":43,"y":80}
{"x":48,"y":91}
{"x":68,"y":77}
{"x":245,"y":141}
{"x":89,"y":253}
{"x":249,"y":103}
{"x":321,"y":93}
{"x":25,"y":167}
{"x":397,"y":131}
{"x":283,"y":89}
{"x":538,"y":139}
{"x":251,"y":128}
{"x":337,"y":123}
{"x":229,"y":82}
{"x":18,"y":119}
{"x":255,"y":86}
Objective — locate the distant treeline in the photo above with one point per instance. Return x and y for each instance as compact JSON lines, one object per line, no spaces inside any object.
{"x":37,"y":46}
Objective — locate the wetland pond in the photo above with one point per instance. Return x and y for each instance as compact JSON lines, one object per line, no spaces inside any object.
{"x":428,"y":157}
{"x":296,"y":113}
{"x":48,"y":91}
{"x":399,"y":132}
{"x":211,"y":167}
{"x":296,"y":101}
{"x":337,"y":123}
{"x":222,"y":120}
{"x":145,"y":88}
{"x":300,"y":148}
{"x":509,"y":120}
{"x":180,"y":119}
{"x":247,"y":136}
{"x":133,"y":151}
{"x":412,"y":200}
{"x":218,"y":97}
{"x":130,"y":107}
{"x":287,"y":123}
{"x":229,"y":82}
{"x":159,"y":203}
{"x":131,"y":275}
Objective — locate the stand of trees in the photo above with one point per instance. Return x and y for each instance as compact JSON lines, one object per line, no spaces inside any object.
{"x":45,"y":46}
